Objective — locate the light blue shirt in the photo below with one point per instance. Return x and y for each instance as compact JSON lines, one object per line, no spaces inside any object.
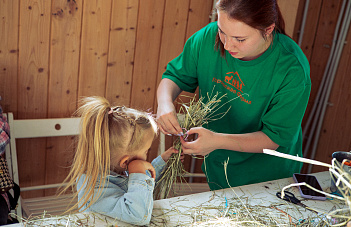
{"x":128,"y":199}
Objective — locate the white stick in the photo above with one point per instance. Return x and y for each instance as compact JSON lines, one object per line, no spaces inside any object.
{"x":296,"y":158}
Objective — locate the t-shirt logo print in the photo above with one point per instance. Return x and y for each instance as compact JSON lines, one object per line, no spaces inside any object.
{"x":236,"y":81}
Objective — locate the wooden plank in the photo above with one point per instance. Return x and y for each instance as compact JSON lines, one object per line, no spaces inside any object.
{"x":324,"y":39}
{"x":33,"y":58}
{"x":298,"y":21}
{"x":172,"y":43}
{"x":63,"y":83}
{"x":64,"y":57}
{"x":9,"y":54}
{"x":149,"y":29}
{"x":311,"y":26}
{"x":173,"y":34}
{"x":59,"y":155}
{"x":94,"y":47}
{"x":199,"y":15}
{"x":335,"y":132}
{"x":34,"y":31}
{"x":147,"y":53}
{"x":321,"y":50}
{"x":289,"y":12}
{"x":121,"y":51}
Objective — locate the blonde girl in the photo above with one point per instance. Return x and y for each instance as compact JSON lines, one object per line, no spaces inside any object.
{"x":110,"y":168}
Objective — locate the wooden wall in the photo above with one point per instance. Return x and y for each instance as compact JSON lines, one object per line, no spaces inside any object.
{"x":335,"y":133}
{"x":53,"y":52}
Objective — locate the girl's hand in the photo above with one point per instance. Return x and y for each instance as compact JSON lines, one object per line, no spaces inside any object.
{"x":167,"y":154}
{"x":203,"y":145}
{"x":140,"y":166}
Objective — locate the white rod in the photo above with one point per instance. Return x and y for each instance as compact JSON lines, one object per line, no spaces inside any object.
{"x":303,"y":23}
{"x":296,"y":158}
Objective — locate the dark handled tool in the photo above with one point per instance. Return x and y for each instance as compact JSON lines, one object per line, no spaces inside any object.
{"x":290,"y":197}
{"x":341,"y":155}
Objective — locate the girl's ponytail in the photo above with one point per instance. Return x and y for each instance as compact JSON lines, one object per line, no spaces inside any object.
{"x":92,"y":156}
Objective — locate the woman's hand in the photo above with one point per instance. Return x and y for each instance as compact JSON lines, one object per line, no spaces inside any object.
{"x":140,"y":166}
{"x":167,"y":119}
{"x":167,"y":154}
{"x":203,"y":145}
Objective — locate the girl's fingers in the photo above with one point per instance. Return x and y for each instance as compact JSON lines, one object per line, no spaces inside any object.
{"x":153,"y":173}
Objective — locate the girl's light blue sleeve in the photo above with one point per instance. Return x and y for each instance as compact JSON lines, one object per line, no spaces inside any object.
{"x":159,"y":164}
{"x":129,"y":200}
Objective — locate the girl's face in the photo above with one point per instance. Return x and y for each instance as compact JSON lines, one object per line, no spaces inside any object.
{"x":239,"y":39}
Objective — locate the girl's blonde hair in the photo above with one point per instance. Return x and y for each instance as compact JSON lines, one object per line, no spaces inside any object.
{"x":106,"y":133}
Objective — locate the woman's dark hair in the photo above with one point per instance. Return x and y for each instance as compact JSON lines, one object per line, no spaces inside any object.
{"x":258,"y":14}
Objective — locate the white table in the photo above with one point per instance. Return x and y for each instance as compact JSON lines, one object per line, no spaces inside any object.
{"x":185,"y":210}
{"x":260,"y":199}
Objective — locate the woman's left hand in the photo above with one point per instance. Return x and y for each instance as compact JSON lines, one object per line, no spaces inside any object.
{"x":203,"y":145}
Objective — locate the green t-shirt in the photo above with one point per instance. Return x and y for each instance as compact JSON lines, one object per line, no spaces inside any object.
{"x":271,"y":94}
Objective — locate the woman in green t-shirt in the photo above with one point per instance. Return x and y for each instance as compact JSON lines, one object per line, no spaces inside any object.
{"x":245,"y":54}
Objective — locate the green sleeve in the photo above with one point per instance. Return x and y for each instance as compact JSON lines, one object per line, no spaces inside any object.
{"x":282,"y":120}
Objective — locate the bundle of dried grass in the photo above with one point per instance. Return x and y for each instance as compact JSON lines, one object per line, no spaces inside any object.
{"x":196,"y":113}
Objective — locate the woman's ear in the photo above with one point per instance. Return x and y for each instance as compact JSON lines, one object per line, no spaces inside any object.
{"x":124,"y":161}
{"x":269,"y":29}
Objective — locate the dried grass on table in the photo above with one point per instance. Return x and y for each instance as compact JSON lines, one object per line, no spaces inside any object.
{"x":233,"y":211}
{"x":342,"y":176}
{"x":72,"y":220}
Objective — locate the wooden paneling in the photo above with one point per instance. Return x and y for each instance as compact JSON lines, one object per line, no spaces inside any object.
{"x":9,"y":16}
{"x":322,"y":43}
{"x":54,"y":52}
{"x":312,"y":19}
{"x":335,"y":131}
{"x":66,"y":23}
{"x":121,"y":51}
{"x":317,"y":47}
{"x":172,"y":42}
{"x":147,"y":50}
{"x":289,"y":11}
{"x":64,"y":57}
{"x":94,"y":47}
{"x":34,"y":31}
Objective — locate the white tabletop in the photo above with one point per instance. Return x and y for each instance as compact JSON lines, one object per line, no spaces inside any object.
{"x":248,"y":200}
{"x":257,"y":201}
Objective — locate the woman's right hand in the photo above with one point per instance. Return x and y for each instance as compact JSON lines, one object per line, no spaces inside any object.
{"x":167,"y":119}
{"x":140,"y":166}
